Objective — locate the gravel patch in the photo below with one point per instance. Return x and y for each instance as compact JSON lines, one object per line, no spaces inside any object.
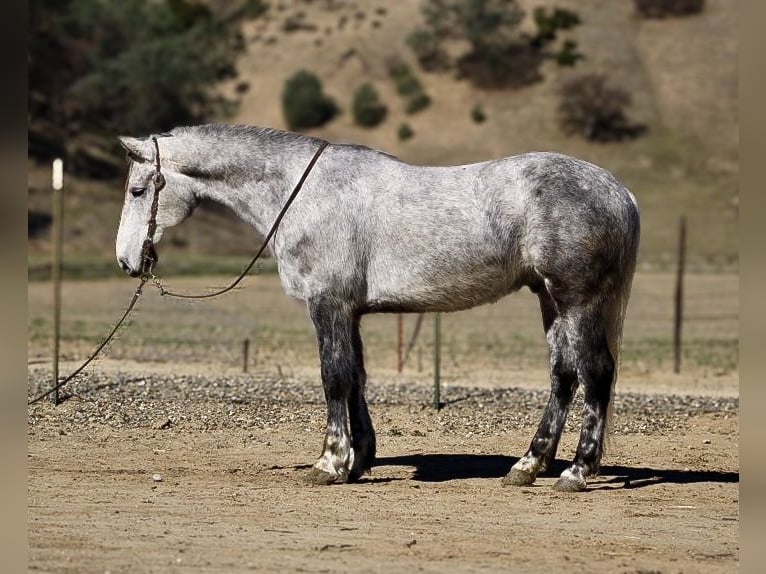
{"x":261,"y":402}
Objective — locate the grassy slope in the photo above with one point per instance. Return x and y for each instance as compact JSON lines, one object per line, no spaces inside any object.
{"x":681,"y":73}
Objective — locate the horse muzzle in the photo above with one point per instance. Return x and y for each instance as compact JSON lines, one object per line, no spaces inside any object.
{"x":149,"y":259}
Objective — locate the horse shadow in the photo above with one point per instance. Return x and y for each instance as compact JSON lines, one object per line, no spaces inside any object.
{"x":444,"y":467}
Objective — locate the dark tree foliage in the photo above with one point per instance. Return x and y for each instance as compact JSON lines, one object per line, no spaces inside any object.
{"x":593,"y":109}
{"x":477,"y":114}
{"x":368,"y":110}
{"x":668,"y":8}
{"x":405,"y":132}
{"x":409,"y":87}
{"x":550,"y":22}
{"x":304,"y":104}
{"x":133,"y":66}
{"x":428,"y":49}
{"x":568,"y":55}
{"x":501,"y":54}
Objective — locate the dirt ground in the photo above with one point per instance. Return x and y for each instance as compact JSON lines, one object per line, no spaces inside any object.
{"x":191,"y":466}
{"x":194,"y":495}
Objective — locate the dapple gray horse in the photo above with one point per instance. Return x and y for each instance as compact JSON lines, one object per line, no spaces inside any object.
{"x":371,"y":234}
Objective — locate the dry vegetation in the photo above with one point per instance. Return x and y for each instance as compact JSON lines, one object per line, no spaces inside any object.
{"x":500,"y":344}
{"x":681,"y":75}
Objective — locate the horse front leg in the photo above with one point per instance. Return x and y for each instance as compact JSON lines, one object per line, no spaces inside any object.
{"x":349,"y":444}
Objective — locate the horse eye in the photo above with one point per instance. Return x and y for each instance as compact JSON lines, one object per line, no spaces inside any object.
{"x":137,"y":191}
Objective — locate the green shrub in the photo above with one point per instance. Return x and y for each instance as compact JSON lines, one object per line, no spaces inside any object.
{"x":304,"y":104}
{"x":405,"y":132}
{"x":549,"y":23}
{"x":409,"y":87}
{"x":428,"y":50}
{"x":488,"y":26}
{"x":417,"y":102}
{"x":568,"y":54}
{"x":406,"y":82}
{"x":478,"y":115}
{"x":254,"y":8}
{"x":500,"y":54}
{"x":368,"y":110}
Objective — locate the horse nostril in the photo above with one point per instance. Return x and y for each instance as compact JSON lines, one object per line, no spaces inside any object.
{"x":124,"y":265}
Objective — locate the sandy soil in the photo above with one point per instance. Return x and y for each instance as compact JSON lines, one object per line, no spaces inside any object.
{"x":229,"y":497}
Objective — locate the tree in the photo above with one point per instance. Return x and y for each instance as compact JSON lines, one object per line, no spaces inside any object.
{"x":133,"y":66}
{"x":303,"y":102}
{"x":501,"y":53}
{"x":589,"y":106}
{"x":368,"y":110}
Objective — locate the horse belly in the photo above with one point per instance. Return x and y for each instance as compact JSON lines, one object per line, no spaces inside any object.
{"x":439,"y":281}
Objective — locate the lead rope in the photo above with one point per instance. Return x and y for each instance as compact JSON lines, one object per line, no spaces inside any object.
{"x":103,"y":344}
{"x":147,"y":260}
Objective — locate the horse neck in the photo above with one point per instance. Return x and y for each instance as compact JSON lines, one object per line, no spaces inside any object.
{"x":257,"y":191}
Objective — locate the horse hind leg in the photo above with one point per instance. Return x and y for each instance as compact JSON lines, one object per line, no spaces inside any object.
{"x":362,"y":431}
{"x":596,"y":369}
{"x":563,"y":375}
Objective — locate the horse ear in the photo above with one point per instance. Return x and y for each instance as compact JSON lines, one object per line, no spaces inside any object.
{"x":136,"y":148}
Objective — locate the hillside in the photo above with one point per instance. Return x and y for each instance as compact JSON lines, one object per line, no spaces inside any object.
{"x":681,"y":74}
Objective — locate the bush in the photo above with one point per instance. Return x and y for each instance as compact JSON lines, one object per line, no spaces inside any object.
{"x":428,"y":50}
{"x":568,"y":54}
{"x":519,"y":66}
{"x":409,"y":87}
{"x":405,"y":132}
{"x":477,"y":114}
{"x":254,"y":8}
{"x":500,"y":53}
{"x":304,"y":104}
{"x":417,"y":102}
{"x":406,"y":82}
{"x":368,"y":110}
{"x":548,"y":24}
{"x":668,"y":8}
{"x":595,"y":110}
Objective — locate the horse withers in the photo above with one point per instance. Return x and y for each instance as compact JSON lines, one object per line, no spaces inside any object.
{"x":369,"y":233}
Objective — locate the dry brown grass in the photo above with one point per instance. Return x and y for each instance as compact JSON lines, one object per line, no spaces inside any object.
{"x":500,"y":344}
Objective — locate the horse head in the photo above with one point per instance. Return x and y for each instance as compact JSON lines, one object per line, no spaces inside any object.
{"x":150,"y":175}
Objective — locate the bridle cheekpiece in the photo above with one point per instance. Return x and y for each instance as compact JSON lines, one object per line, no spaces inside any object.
{"x":148,"y":254}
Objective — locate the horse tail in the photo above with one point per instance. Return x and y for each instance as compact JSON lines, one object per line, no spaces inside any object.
{"x":617,"y":304}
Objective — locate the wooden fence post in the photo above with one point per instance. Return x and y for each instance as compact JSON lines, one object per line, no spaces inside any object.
{"x":679,"y":298}
{"x":57,"y":183}
{"x":399,"y":342}
{"x":437,"y":359}
{"x":246,"y":354}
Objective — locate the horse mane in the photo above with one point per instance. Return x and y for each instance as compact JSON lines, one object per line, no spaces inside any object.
{"x":242,"y":133}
